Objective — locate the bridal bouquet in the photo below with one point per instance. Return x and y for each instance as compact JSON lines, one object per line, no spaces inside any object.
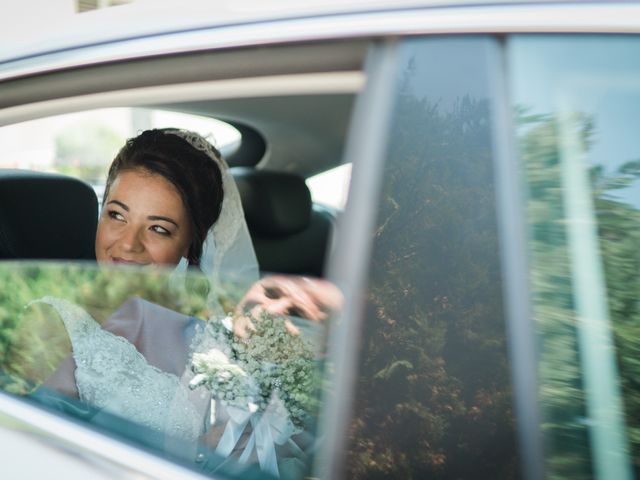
{"x":249,"y":373}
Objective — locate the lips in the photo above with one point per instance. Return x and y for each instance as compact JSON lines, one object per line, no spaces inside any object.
{"x":126,"y":261}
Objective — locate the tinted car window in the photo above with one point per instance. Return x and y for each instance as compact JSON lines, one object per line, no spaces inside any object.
{"x":576,"y":103}
{"x":434,"y":397}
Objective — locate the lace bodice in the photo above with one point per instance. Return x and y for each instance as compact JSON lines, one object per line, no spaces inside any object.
{"x":111,"y":374}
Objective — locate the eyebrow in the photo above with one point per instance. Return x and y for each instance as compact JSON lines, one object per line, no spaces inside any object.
{"x":150,"y":217}
{"x":164,"y":219}
{"x":118,"y":202}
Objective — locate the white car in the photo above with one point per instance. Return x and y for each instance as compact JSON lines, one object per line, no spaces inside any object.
{"x":485,"y":242}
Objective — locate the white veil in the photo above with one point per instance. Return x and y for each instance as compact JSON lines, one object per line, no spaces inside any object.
{"x":227,"y":252}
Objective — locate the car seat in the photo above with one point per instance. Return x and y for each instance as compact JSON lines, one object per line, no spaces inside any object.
{"x":46,"y":216}
{"x":289,"y":234}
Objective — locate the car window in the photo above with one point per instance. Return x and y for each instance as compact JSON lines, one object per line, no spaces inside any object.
{"x":137,"y":353}
{"x":331,"y":187}
{"x":576,"y":102}
{"x":83,"y":144}
{"x":433,"y":395}
{"x":86,"y":342}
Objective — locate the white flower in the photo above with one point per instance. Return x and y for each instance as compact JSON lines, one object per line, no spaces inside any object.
{"x":212,"y":358}
{"x":197,"y":380}
{"x":227,"y":322}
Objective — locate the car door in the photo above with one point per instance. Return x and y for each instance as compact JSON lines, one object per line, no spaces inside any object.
{"x":487,"y":250}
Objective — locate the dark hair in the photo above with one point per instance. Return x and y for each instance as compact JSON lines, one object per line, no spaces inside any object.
{"x":194,"y":174}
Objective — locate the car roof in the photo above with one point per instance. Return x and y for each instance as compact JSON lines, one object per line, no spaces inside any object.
{"x":134,"y":30}
{"x":303,"y":134}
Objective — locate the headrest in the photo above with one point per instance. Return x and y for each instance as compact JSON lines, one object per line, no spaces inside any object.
{"x":46,"y":216}
{"x":274,"y":203}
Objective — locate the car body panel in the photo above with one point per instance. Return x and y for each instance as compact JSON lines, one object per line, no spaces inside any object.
{"x":91,"y":40}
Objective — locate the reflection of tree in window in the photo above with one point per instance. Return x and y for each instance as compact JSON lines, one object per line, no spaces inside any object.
{"x":563,"y":409}
{"x":565,"y":429}
{"x":33,"y":342}
{"x":434,"y":397}
{"x":619,"y":235}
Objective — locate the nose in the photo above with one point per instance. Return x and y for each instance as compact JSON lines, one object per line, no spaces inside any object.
{"x":130,"y":241}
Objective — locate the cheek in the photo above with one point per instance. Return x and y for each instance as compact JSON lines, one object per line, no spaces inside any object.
{"x":164,"y":253}
{"x":102,"y":240}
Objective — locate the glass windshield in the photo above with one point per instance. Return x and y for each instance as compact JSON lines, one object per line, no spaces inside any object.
{"x":140,"y":353}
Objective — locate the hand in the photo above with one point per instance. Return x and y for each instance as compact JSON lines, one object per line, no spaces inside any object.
{"x":310,"y":298}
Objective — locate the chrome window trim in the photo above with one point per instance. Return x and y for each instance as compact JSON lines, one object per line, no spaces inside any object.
{"x":60,"y":433}
{"x":541,"y":18}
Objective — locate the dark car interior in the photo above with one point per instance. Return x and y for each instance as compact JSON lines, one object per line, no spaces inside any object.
{"x":46,"y":216}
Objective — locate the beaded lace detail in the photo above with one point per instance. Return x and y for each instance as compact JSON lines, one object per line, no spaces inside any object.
{"x":111,"y":374}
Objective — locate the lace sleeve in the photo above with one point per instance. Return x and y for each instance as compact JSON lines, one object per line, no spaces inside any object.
{"x":112,"y":375}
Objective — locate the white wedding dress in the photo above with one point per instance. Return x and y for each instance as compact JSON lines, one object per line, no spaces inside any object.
{"x":111,"y":374}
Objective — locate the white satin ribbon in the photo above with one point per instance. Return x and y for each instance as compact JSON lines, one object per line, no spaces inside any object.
{"x":238,"y":420}
{"x":269,"y":428}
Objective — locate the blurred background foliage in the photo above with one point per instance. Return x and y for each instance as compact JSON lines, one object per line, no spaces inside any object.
{"x":565,"y":427}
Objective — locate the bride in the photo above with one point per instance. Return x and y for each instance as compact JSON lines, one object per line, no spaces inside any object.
{"x":170,"y":200}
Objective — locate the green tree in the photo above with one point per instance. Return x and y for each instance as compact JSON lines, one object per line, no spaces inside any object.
{"x":562,"y":397}
{"x":619,"y":238}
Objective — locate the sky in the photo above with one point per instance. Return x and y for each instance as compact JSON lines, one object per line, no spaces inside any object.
{"x":591,"y":74}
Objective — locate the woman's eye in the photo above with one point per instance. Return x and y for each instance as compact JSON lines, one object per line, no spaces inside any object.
{"x":160,"y":230}
{"x":116,"y":215}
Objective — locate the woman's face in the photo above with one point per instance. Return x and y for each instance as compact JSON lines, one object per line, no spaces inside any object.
{"x":143,"y":221}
